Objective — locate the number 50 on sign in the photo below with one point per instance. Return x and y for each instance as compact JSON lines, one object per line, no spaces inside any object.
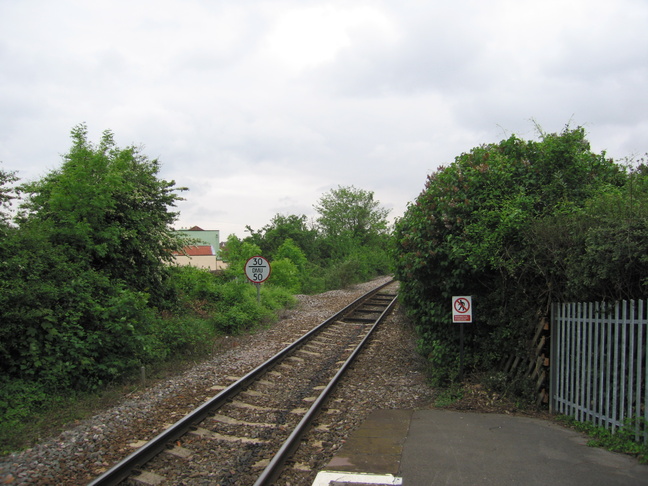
{"x":257,"y":269}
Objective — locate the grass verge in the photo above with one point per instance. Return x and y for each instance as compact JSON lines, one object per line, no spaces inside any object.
{"x":625,"y":440}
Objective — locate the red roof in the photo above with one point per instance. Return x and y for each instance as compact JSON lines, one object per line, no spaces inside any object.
{"x":203,"y":250}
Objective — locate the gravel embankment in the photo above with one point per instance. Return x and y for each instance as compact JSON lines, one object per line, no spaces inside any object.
{"x":388,"y":374}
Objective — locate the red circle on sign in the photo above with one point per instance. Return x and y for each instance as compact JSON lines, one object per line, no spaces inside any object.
{"x":257,"y":269}
{"x":462,"y":306}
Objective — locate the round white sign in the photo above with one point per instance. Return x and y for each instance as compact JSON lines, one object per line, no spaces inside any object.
{"x":257,"y":269}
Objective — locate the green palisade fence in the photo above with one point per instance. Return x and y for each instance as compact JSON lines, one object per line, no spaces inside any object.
{"x":599,"y":364}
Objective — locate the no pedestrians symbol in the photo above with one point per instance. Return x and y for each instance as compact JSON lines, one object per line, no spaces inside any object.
{"x":462,"y":308}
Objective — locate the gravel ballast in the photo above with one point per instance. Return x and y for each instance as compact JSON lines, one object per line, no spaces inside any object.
{"x":388,"y":374}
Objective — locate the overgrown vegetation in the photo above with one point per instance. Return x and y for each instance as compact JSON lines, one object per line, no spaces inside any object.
{"x":88,"y":293}
{"x":623,"y":440}
{"x":347,"y":244}
{"x":517,"y":225}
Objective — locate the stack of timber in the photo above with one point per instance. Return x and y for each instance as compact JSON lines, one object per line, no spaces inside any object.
{"x":534,"y":364}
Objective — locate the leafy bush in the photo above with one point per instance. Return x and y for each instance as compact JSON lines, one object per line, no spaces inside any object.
{"x":169,"y":336}
{"x":598,"y":252}
{"x":286,"y":274}
{"x":472,"y":232}
{"x":276,"y":298}
{"x":443,"y":362}
{"x":19,"y":399}
{"x":63,"y":324}
{"x":448,"y":396}
{"x":314,"y":281}
{"x":238,"y":310}
{"x":241,"y":311}
{"x":342,"y":274}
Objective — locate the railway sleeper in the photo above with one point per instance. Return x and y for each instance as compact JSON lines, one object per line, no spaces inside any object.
{"x":232,"y":421}
{"x":147,"y":478}
{"x":179,"y":452}
{"x":360,"y":320}
{"x":210,"y":434}
{"x":249,"y":406}
{"x":313,"y":345}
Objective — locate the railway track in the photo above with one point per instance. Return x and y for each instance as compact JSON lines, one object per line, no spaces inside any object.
{"x":245,"y":434}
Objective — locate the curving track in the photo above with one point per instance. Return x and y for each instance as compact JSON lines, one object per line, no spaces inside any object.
{"x":245,"y":433}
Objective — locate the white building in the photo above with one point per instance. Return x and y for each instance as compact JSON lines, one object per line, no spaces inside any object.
{"x":204,"y":254}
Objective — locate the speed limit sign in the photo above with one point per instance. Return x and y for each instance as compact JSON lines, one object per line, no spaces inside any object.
{"x":257,"y":269}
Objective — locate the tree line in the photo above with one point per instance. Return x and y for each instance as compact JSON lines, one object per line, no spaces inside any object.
{"x":347,"y":243}
{"x":89,"y":292}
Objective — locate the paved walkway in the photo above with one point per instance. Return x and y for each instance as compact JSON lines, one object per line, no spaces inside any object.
{"x":437,"y":447}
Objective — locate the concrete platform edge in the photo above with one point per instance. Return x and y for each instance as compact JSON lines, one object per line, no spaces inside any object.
{"x":325,"y":478}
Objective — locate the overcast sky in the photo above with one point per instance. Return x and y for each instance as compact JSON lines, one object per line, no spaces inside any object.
{"x":260,"y":107}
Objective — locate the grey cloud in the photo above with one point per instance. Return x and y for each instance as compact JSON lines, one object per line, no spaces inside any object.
{"x":414,"y":86}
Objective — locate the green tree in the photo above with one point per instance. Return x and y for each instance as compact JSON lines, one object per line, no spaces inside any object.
{"x":347,"y":245}
{"x":291,"y":251}
{"x":291,"y":266}
{"x":351,"y":217}
{"x":107,"y":207}
{"x":283,"y":227}
{"x":80,"y":268}
{"x":286,"y":274}
{"x":7,"y":194}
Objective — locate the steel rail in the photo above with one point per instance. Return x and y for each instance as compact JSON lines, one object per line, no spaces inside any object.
{"x":273,"y":469}
{"x":155,"y":446}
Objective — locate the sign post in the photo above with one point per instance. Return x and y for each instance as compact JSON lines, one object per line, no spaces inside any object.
{"x":257,"y":270}
{"x":461,"y":313}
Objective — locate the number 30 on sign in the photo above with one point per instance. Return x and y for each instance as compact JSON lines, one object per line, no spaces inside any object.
{"x":257,"y":269}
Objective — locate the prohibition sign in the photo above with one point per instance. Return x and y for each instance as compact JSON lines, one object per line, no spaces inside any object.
{"x":462,"y":305}
{"x":462,"y":309}
{"x":461,"y":313}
